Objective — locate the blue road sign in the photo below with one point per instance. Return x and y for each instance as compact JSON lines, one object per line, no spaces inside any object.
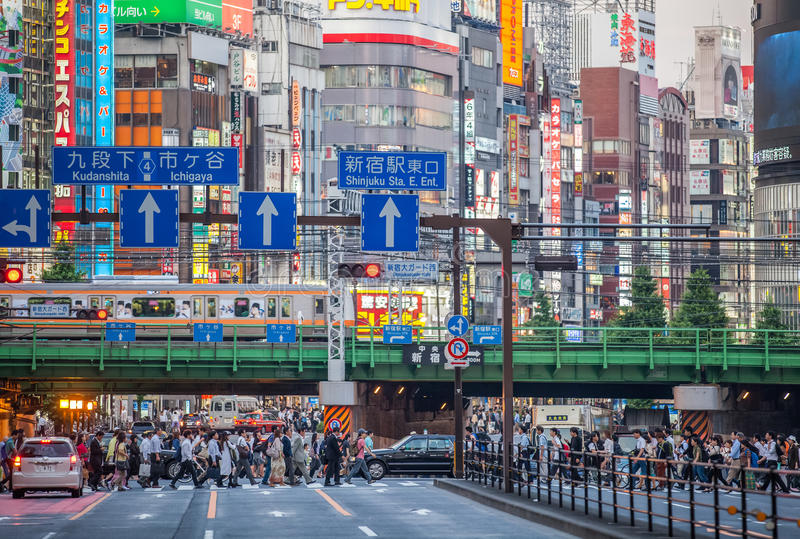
{"x":281,"y":333}
{"x":148,"y":218}
{"x":207,"y":332}
{"x":411,"y":270}
{"x":25,"y":220}
{"x":120,"y":331}
{"x":268,"y":221}
{"x":457,"y":325}
{"x":487,"y":334}
{"x":401,"y":171}
{"x":397,"y":334}
{"x":153,"y":165}
{"x":390,"y":223}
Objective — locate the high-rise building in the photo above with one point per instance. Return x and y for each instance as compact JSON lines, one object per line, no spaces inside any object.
{"x":719,"y":183}
{"x":776,"y":206}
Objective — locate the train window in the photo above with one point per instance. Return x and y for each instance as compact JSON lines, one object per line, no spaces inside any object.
{"x":108,"y":305}
{"x":161,"y":308}
{"x":286,"y":307}
{"x":5,"y":301}
{"x":272,"y":308}
{"x":94,"y":302}
{"x":49,"y":301}
{"x":241,"y":307}
{"x":197,"y":307}
{"x":319,"y":306}
{"x":211,"y":307}
{"x":229,"y":406}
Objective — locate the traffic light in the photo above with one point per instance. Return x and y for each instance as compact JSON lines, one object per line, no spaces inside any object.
{"x":556,"y":263}
{"x":92,"y":314}
{"x":359,"y":271}
{"x":11,"y":275}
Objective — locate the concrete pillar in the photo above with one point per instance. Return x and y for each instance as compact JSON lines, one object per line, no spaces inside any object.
{"x":340,"y":399}
{"x":696,"y":403}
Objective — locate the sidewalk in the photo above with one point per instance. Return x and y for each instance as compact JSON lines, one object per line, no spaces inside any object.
{"x":577,"y":524}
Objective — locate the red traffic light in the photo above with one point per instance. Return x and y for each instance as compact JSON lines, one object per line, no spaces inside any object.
{"x":102,"y":314}
{"x":11,"y":275}
{"x":372,"y":271}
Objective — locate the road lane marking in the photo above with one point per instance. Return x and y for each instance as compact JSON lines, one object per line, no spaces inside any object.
{"x":367,"y":531}
{"x":49,"y":535}
{"x":144,"y":516}
{"x":423,"y":512}
{"x":209,"y":534}
{"x":335,"y":505}
{"x":185,"y":487}
{"x":409,"y":484}
{"x":212,"y":507}
{"x":90,"y":507}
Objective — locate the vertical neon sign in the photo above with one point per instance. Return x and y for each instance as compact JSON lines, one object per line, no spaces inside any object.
{"x":555,"y":163}
{"x":104,"y":122}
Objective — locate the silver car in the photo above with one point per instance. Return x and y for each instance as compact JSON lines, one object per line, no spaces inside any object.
{"x":47,"y":464}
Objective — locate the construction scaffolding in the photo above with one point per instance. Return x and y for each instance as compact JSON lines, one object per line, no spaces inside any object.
{"x":552,"y":23}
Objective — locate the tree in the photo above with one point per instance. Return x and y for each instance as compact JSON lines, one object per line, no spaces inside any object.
{"x":700,"y":308}
{"x":543,"y":316}
{"x":641,"y":403}
{"x":770,"y":318}
{"x":63,"y":270}
{"x":646,"y":310}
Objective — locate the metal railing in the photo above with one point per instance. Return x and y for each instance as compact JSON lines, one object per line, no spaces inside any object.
{"x":678,"y":496}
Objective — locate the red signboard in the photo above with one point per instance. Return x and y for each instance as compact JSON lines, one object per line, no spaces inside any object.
{"x":297,"y":138}
{"x":237,"y":16}
{"x":64,"y":73}
{"x":297,"y":163}
{"x":237,"y":141}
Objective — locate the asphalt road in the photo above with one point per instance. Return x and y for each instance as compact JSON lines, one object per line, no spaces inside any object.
{"x":389,"y":508}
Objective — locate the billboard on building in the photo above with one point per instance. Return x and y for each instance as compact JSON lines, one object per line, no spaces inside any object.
{"x":244,"y":69}
{"x":483,"y":10}
{"x":11,"y":92}
{"x":717,"y":74}
{"x":199,"y":12}
{"x":237,"y":17}
{"x":623,"y":39}
{"x":511,"y":40}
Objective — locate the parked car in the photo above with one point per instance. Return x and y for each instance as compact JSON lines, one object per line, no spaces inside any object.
{"x":255,"y":420}
{"x":47,"y":464}
{"x":416,"y":453}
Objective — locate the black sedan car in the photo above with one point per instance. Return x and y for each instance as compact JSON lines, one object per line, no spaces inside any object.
{"x":414,"y":454}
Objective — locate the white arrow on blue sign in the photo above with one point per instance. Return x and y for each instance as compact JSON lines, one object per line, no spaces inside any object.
{"x":148,"y":218}
{"x":457,"y":325}
{"x":207,"y":332}
{"x":281,"y":333}
{"x":487,"y":334}
{"x":390,"y":223}
{"x":120,"y":331}
{"x":268,"y":221}
{"x":25,"y":218}
{"x":397,"y":334}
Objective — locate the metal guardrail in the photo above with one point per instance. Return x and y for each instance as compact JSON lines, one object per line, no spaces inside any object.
{"x":694,"y":348}
{"x":634,"y":489}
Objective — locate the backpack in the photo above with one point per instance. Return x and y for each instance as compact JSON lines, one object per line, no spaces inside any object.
{"x":617,"y":449}
{"x":244,"y":451}
{"x":703,"y":454}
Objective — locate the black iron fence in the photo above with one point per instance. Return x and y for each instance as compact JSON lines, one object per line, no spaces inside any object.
{"x":685,"y":497}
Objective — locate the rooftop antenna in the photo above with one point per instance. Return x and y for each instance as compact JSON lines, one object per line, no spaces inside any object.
{"x":718,"y":13}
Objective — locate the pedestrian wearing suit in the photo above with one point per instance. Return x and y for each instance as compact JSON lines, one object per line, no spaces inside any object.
{"x":299,"y":454}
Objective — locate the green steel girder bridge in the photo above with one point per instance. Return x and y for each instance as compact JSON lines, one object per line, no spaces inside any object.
{"x":165,"y":354}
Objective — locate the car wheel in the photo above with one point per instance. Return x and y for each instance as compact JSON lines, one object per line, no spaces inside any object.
{"x":377,"y":469}
{"x":17,"y":494}
{"x":172,"y":470}
{"x":76,"y":493}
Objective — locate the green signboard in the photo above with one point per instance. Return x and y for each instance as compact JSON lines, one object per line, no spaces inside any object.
{"x":199,"y":12}
{"x":525,"y":284}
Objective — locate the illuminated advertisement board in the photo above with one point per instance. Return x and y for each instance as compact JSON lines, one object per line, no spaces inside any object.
{"x":513,"y":159}
{"x":64,"y":73}
{"x":104,"y":77}
{"x":511,"y":39}
{"x":555,"y":163}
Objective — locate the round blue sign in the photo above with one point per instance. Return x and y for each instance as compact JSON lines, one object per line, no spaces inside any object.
{"x":457,"y":325}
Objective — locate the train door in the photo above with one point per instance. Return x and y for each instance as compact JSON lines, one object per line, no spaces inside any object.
{"x":318,"y":310}
{"x":204,"y":308}
{"x":102,"y":302}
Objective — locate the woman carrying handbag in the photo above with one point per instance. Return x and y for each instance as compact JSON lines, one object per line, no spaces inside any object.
{"x":121,"y":462}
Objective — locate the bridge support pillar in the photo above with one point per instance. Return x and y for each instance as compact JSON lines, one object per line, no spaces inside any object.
{"x":341,"y":401}
{"x":696,"y":403}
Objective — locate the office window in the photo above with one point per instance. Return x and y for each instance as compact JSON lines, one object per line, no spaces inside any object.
{"x":167,"y":71}
{"x":482,"y":57}
{"x":144,"y":71}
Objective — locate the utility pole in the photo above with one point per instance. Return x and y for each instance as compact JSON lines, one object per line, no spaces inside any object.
{"x":458,"y":410}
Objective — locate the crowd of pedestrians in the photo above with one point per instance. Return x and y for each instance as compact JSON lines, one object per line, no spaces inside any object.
{"x":655,"y":457}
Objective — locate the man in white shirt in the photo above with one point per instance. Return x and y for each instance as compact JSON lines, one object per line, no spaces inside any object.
{"x":155,"y":458}
{"x":639,"y":466}
{"x":187,"y":461}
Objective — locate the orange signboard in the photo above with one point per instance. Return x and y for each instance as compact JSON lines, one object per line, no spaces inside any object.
{"x":511,"y":38}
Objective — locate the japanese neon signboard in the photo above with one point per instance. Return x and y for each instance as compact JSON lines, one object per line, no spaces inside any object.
{"x":104,"y":78}
{"x":511,"y":38}
{"x":397,"y":5}
{"x":513,"y":159}
{"x":555,"y":163}
{"x":64,"y":72}
{"x":627,"y":41}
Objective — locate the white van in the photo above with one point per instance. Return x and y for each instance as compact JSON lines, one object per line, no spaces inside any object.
{"x":224,"y":409}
